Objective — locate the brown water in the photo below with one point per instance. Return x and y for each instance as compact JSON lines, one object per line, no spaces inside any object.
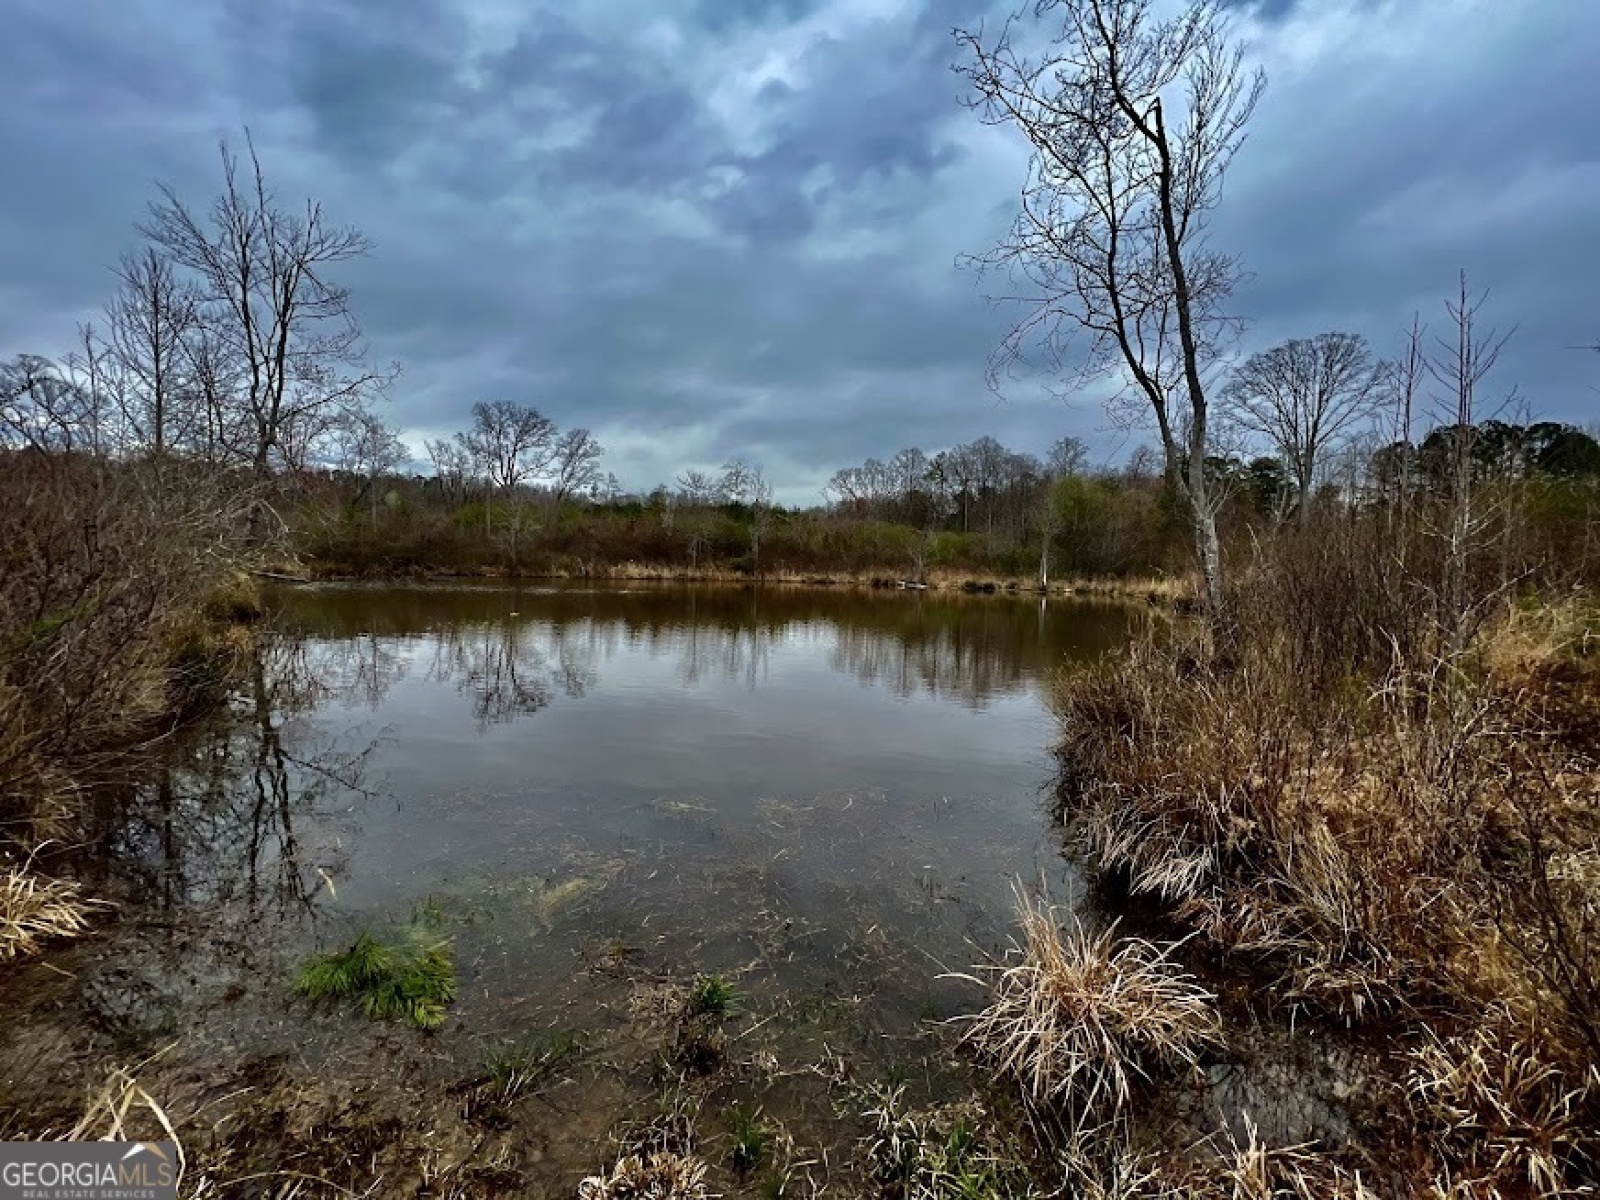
{"x":823,"y":795}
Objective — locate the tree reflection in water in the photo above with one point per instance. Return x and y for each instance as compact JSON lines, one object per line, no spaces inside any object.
{"x":215,"y":820}
{"x":250,"y":813}
{"x":968,"y":649}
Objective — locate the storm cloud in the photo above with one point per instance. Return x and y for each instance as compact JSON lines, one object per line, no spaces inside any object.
{"x":715,"y":227}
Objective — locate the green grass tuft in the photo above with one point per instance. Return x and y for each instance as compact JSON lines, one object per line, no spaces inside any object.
{"x":411,"y":981}
{"x":711,"y":996}
{"x":515,"y":1068}
{"x":750,"y":1139}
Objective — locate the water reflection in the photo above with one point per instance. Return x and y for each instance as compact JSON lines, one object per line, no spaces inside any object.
{"x":514,"y":668}
{"x":251,"y":814}
{"x":263,"y":812}
{"x":513,"y":651}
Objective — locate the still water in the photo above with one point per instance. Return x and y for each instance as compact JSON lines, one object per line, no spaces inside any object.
{"x":823,"y":795}
{"x":714,"y":720}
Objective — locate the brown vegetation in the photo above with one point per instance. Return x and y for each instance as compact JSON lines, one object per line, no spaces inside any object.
{"x":111,"y":579}
{"x":1399,"y":823}
{"x":1078,"y":1019}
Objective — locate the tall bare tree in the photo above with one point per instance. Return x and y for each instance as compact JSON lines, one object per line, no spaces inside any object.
{"x":452,"y":467}
{"x":364,"y":446}
{"x":509,"y":444}
{"x":150,"y":318}
{"x":1460,"y":366}
{"x":744,"y":483}
{"x":574,"y":463}
{"x":1304,"y":396}
{"x":264,"y":277}
{"x":1109,"y":248}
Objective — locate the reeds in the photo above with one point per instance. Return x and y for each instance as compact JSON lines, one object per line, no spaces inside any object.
{"x":1078,"y":1018}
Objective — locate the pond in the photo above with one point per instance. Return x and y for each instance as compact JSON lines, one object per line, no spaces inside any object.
{"x":592,"y":791}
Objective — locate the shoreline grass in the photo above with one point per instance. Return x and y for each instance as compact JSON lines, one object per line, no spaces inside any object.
{"x":1078,"y":1019}
{"x":35,"y":910}
{"x":1411,"y":845}
{"x":1164,"y":591}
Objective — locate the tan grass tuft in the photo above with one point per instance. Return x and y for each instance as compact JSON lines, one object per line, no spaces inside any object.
{"x":661,"y":1175}
{"x":1077,"y":1018}
{"x":1505,"y":1112}
{"x":34,"y":910}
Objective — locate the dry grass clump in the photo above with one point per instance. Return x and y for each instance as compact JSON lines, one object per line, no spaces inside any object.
{"x":1508,"y":1116}
{"x":660,"y":1175}
{"x":948,"y":1152}
{"x":110,"y":1116}
{"x":1385,"y":842}
{"x":1078,"y":1018}
{"x":34,"y":910}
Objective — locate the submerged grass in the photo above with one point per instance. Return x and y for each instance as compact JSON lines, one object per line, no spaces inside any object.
{"x":411,"y":980}
{"x":751,"y":1139}
{"x":516,"y":1068}
{"x":948,"y":1152}
{"x":711,"y":996}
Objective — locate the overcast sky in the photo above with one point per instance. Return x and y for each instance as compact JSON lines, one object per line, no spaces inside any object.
{"x":705,"y":228}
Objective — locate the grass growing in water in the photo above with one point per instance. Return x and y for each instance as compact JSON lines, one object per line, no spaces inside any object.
{"x":34,"y":910}
{"x":750,"y":1139}
{"x":516,"y":1068}
{"x":412,"y":980}
{"x":711,"y":996}
{"x":946,"y":1153}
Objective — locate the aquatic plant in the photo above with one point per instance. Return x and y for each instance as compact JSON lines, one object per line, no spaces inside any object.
{"x":1077,"y":1017}
{"x":411,"y":980}
{"x":751,"y":1139}
{"x":515,"y":1068}
{"x":950,"y":1152}
{"x":710,"y":996}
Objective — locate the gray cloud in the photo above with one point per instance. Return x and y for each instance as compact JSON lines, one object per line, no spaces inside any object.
{"x":716,"y":227}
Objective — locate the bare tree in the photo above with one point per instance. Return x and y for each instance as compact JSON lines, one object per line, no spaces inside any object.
{"x":743,"y":483}
{"x":1304,"y":397}
{"x":1066,"y":458}
{"x":1460,"y":367}
{"x":452,"y":467}
{"x":574,"y":463}
{"x":368,"y":448}
{"x":41,"y":408}
{"x":697,"y":488}
{"x":509,"y":444}
{"x":150,"y":318}
{"x":1110,"y":241}
{"x":263,"y":277}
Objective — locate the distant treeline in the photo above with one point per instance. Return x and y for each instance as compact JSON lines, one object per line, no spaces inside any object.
{"x":979,"y":509}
